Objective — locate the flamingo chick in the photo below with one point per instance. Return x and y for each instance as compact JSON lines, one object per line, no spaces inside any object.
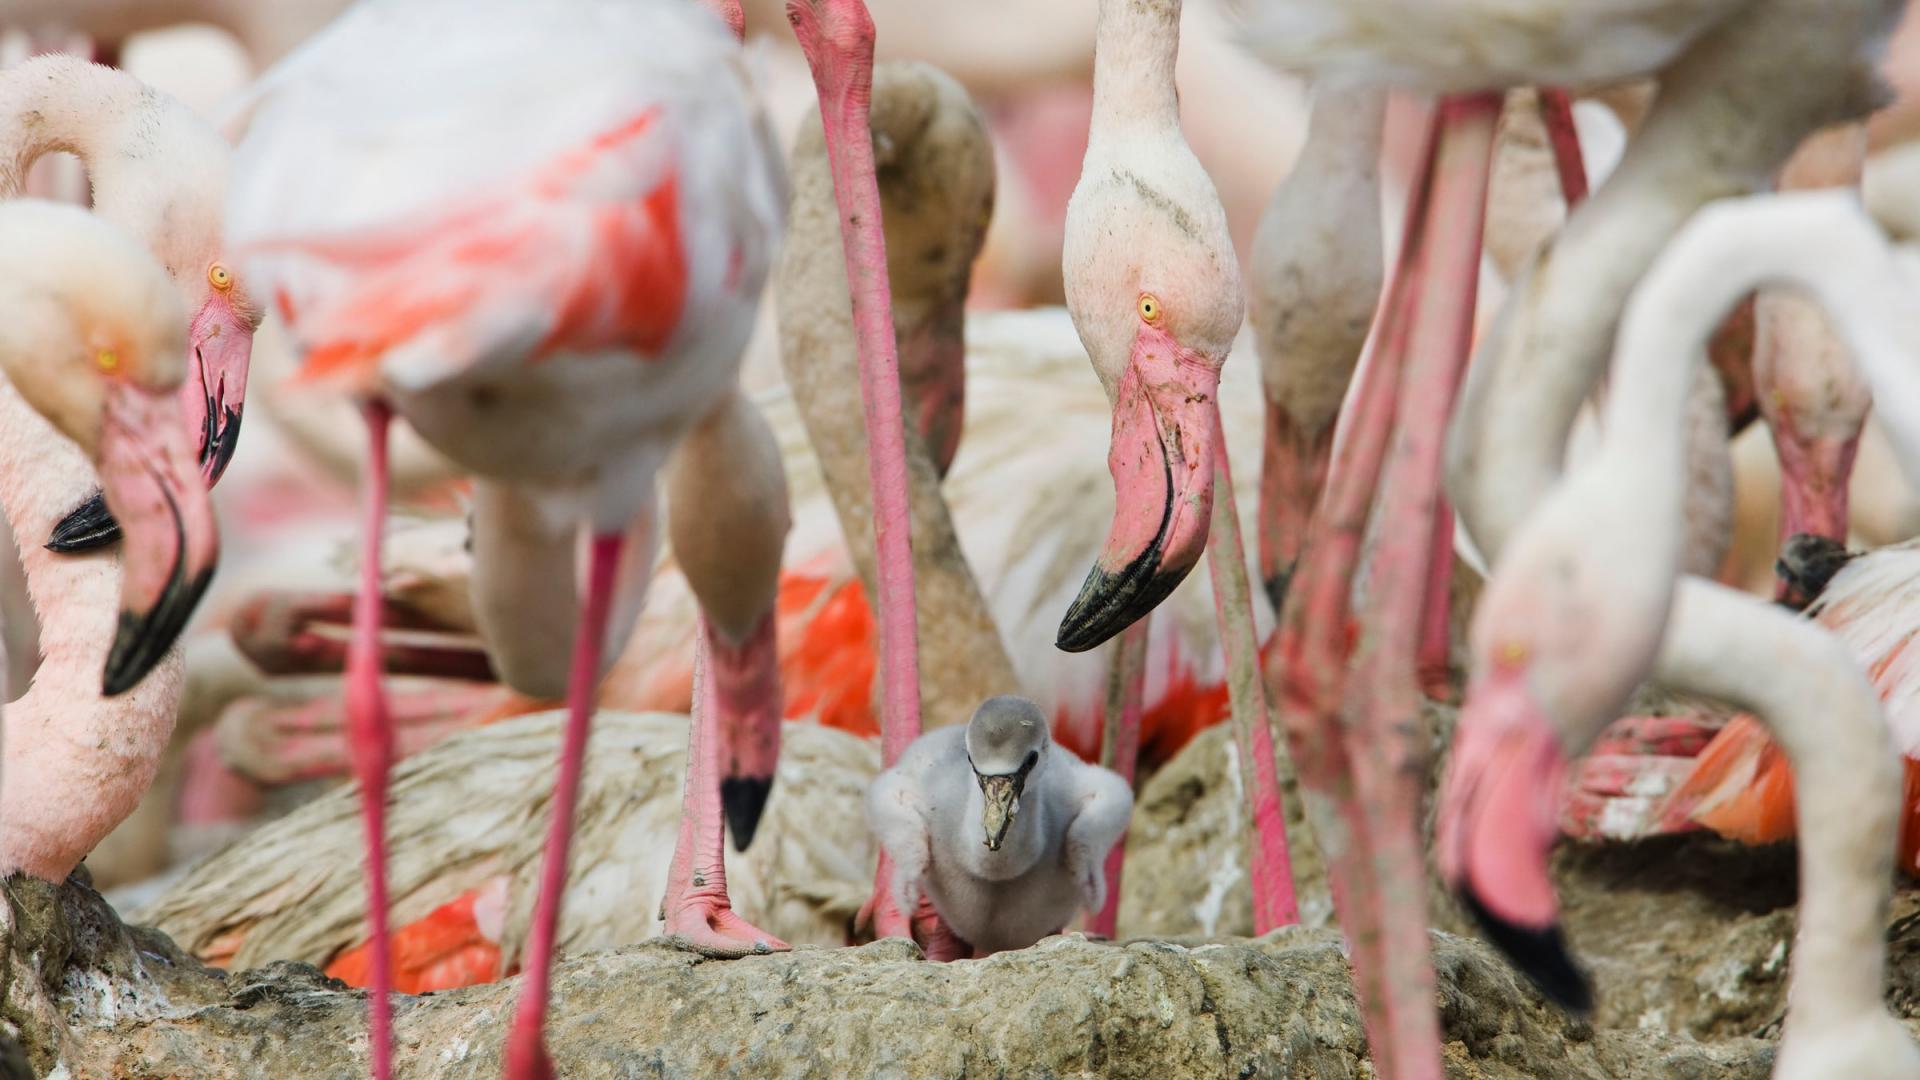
{"x":92,"y":337}
{"x":1007,"y":836}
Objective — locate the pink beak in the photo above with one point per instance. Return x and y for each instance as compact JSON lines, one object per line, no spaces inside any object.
{"x":211,"y":398}
{"x":214,"y":396}
{"x":1497,"y":822}
{"x":153,"y":487}
{"x":1161,"y":458}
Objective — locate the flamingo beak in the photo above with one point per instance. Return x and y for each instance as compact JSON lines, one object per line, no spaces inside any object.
{"x":1161,"y":458}
{"x":152,"y":486}
{"x":1497,"y":823}
{"x":746,"y":706}
{"x":212,"y":399}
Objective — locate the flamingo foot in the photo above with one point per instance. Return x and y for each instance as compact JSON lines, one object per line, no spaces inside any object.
{"x":704,"y":922}
{"x":926,"y":929}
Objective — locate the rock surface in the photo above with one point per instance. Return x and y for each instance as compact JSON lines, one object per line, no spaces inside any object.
{"x":101,"y":999}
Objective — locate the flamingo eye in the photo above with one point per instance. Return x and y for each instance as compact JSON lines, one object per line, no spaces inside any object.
{"x":220,"y":277}
{"x":1150,"y":307}
{"x":107,"y":360}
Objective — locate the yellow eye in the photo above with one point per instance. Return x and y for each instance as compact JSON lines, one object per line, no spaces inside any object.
{"x":220,"y":277}
{"x":108,"y":360}
{"x":1150,"y":307}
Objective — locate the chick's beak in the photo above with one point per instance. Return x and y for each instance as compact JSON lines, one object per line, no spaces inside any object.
{"x":1003,"y":805}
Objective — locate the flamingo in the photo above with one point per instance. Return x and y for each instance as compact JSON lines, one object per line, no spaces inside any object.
{"x":1571,"y":622}
{"x":1025,"y":368}
{"x":1153,"y":287}
{"x":471,"y":300}
{"x":159,"y":173}
{"x":93,"y":348}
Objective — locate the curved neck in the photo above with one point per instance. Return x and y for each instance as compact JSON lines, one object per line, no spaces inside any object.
{"x":1134,"y":51}
{"x":76,"y":599}
{"x":62,"y":105}
{"x":1821,"y":242}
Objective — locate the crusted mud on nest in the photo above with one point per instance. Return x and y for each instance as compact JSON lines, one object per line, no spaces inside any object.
{"x":88,"y":997}
{"x":1687,"y":938}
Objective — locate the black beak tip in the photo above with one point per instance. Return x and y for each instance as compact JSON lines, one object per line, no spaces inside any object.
{"x":1276,"y":588}
{"x":1538,"y":953}
{"x":221,"y":442}
{"x":90,"y":526}
{"x":1109,"y":603}
{"x":744,"y":798}
{"x":142,"y":639}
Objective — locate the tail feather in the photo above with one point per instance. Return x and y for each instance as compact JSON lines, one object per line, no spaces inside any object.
{"x":1741,"y":786}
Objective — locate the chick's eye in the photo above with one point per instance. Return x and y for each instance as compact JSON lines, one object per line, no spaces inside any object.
{"x":220,"y":277}
{"x":108,"y":360}
{"x":1150,"y":308}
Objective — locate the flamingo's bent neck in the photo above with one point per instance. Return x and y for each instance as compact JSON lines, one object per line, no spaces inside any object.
{"x":1137,"y":42}
{"x":76,"y":762}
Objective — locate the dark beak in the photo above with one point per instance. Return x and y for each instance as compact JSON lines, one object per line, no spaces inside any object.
{"x":89,"y":526}
{"x":144,"y":637}
{"x":1003,"y":803}
{"x":744,"y":798}
{"x":1539,"y":953}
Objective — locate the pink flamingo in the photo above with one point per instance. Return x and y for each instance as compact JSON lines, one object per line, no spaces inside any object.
{"x":159,"y":173}
{"x":554,"y":313}
{"x":1153,"y":286}
{"x":1571,"y":622}
{"x":1358,"y":754}
{"x":93,"y":348}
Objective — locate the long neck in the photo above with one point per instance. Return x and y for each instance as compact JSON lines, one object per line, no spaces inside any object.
{"x":1819,"y":706}
{"x":76,"y":762}
{"x":1133,"y":59}
{"x":1529,"y":380}
{"x":1827,"y":718}
{"x":1821,"y":242}
{"x":60,"y":105}
{"x":966,"y":660}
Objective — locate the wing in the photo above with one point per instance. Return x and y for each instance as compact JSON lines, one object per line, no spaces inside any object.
{"x":901,"y":818}
{"x":560,"y":177}
{"x":1102,"y":805}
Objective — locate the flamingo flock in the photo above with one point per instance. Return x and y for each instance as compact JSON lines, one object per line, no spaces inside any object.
{"x":913,"y":651}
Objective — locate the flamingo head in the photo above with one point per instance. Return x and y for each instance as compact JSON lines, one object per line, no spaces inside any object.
{"x":1153,"y":286}
{"x":106,"y":371}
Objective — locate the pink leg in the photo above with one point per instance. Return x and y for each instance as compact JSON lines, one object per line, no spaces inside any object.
{"x":1556,"y":113}
{"x":1293,"y":472}
{"x":1308,"y":667}
{"x":1436,"y":619}
{"x":300,"y":633}
{"x":212,"y":793}
{"x":526,"y":1049}
{"x":697,"y":913}
{"x":1271,"y":869}
{"x":1120,"y":748}
{"x":370,"y":738}
{"x":837,"y":38}
{"x":274,"y":744}
{"x":1386,"y":745}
